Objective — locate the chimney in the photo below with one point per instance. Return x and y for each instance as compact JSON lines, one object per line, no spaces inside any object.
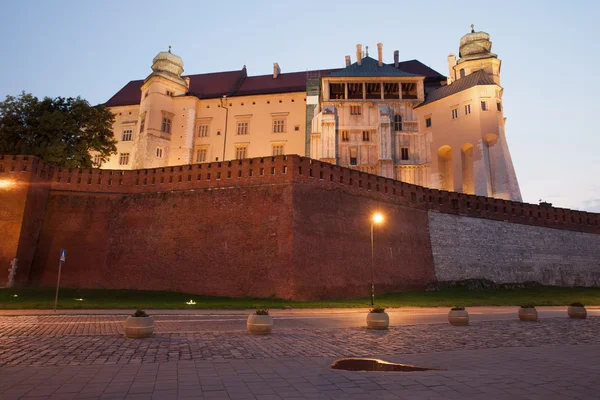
{"x":380,"y":53}
{"x":359,"y":54}
{"x":396,"y":58}
{"x":276,"y":70}
{"x":347,"y":61}
{"x":451,"y":64}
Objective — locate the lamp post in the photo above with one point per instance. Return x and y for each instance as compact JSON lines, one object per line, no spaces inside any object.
{"x":375,"y":220}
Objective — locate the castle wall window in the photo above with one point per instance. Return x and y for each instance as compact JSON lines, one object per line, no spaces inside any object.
{"x":353,"y":156}
{"x":404,"y":153}
{"x":127,"y":135}
{"x":373,"y":90}
{"x":345,"y":136}
{"x":462,"y":72}
{"x":159,"y":152}
{"x":97,"y":161}
{"x":242,"y":128}
{"x":241,"y":152}
{"x":355,"y":91}
{"x":169,"y":93}
{"x":142,"y":123}
{"x":203,"y":130}
{"x":337,"y":91}
{"x":391,"y":91}
{"x":201,"y":155}
{"x":397,"y":122}
{"x":428,"y":122}
{"x":499,"y":106}
{"x":355,"y":110}
{"x":467,"y":109}
{"x":279,"y":126}
{"x":366,"y":136}
{"x":166,"y":125}
{"x":484,"y":106}
{"x":409,"y":90}
{"x":454,"y":113}
{"x":278,"y":150}
{"x":124,"y":159}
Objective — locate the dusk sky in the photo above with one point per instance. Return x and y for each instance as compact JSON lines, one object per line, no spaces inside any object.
{"x":549,"y":53}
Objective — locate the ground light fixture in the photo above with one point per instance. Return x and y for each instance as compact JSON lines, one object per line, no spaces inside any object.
{"x":376,"y":219}
{"x":190,"y":303}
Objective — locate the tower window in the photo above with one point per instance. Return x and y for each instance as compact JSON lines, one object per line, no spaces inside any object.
{"x":467,"y":109}
{"x":123,"y":158}
{"x":345,"y":136}
{"x":366,"y":136}
{"x":166,"y":125}
{"x":201,"y":155}
{"x":159,"y":152}
{"x":127,"y":135}
{"x":404,"y":153}
{"x":484,"y":106}
{"x":454,"y":113}
{"x":169,"y":93}
{"x":397,"y":122}
{"x":203,"y":130}
{"x":242,"y":128}
{"x":142,"y":123}
{"x":462,"y":72}
{"x":499,"y":106}
{"x":241,"y":152}
{"x":428,"y":122}
{"x":353,"y":156}
{"x":355,"y":110}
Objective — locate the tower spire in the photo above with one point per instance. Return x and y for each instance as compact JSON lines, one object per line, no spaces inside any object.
{"x":472,"y":28}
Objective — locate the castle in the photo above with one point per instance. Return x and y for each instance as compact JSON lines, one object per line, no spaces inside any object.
{"x":401,"y":120}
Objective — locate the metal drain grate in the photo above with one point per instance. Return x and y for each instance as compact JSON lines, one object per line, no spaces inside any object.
{"x":373,"y":364}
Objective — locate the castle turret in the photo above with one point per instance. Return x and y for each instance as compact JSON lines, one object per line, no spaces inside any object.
{"x":476,"y":54}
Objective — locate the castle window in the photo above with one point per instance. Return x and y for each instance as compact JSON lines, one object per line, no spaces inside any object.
{"x":278,"y":150}
{"x":201,"y":155}
{"x":467,"y":109}
{"x":127,"y":135}
{"x":484,"y":106}
{"x":279,"y":126}
{"x":428,"y":122}
{"x":499,"y":106}
{"x":345,"y":136}
{"x":242,"y":128}
{"x":462,"y":72}
{"x":203,"y":130}
{"x":123,"y":158}
{"x":97,"y":161}
{"x":336,"y":91}
{"x":404,"y":153}
{"x":353,"y":157}
{"x":397,"y":122}
{"x":241,"y":152}
{"x":366,"y":136}
{"x":373,"y":91}
{"x":355,"y":110}
{"x":391,"y":91}
{"x":355,"y":91}
{"x":159,"y":152}
{"x":409,"y":90}
{"x":169,"y":93}
{"x":166,"y":125}
{"x":454,"y":113}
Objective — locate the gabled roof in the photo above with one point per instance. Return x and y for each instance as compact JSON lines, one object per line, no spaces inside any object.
{"x":284,"y":83}
{"x":370,"y":67}
{"x":477,"y":78}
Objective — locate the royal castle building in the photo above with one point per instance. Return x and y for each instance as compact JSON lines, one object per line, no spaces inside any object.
{"x":400,"y":120}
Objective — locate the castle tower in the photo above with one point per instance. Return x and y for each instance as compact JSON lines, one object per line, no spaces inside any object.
{"x":464,"y":122}
{"x":161,"y":116}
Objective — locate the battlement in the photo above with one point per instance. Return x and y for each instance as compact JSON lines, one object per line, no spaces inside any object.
{"x":288,"y":169}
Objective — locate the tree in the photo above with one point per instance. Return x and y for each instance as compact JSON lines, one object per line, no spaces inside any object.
{"x":61,"y":131}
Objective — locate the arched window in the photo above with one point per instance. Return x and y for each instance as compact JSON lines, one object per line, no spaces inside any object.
{"x":462,"y":72}
{"x":397,"y":122}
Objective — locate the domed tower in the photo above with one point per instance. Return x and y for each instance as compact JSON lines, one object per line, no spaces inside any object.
{"x":158,"y":108}
{"x":475,"y":54}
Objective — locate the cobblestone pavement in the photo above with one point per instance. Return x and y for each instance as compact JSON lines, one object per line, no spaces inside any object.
{"x":548,"y":372}
{"x":71,"y":344}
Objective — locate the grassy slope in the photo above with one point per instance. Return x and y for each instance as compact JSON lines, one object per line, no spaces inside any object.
{"x":44,"y":298}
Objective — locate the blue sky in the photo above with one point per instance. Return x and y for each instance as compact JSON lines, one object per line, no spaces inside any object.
{"x":548,"y":49}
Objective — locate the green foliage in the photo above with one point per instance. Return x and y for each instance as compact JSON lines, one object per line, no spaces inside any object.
{"x":263,"y":311}
{"x":60,"y":131}
{"x":140,"y":314}
{"x":577,"y":304}
{"x":458,"y":309}
{"x":377,"y":309}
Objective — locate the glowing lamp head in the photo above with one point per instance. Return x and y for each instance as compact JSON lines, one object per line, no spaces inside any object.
{"x":377,"y":218}
{"x":6,"y":183}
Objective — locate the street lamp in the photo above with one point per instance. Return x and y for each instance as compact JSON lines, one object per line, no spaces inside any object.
{"x":375,"y":220}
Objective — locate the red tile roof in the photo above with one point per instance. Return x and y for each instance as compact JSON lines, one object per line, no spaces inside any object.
{"x":237,"y":83}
